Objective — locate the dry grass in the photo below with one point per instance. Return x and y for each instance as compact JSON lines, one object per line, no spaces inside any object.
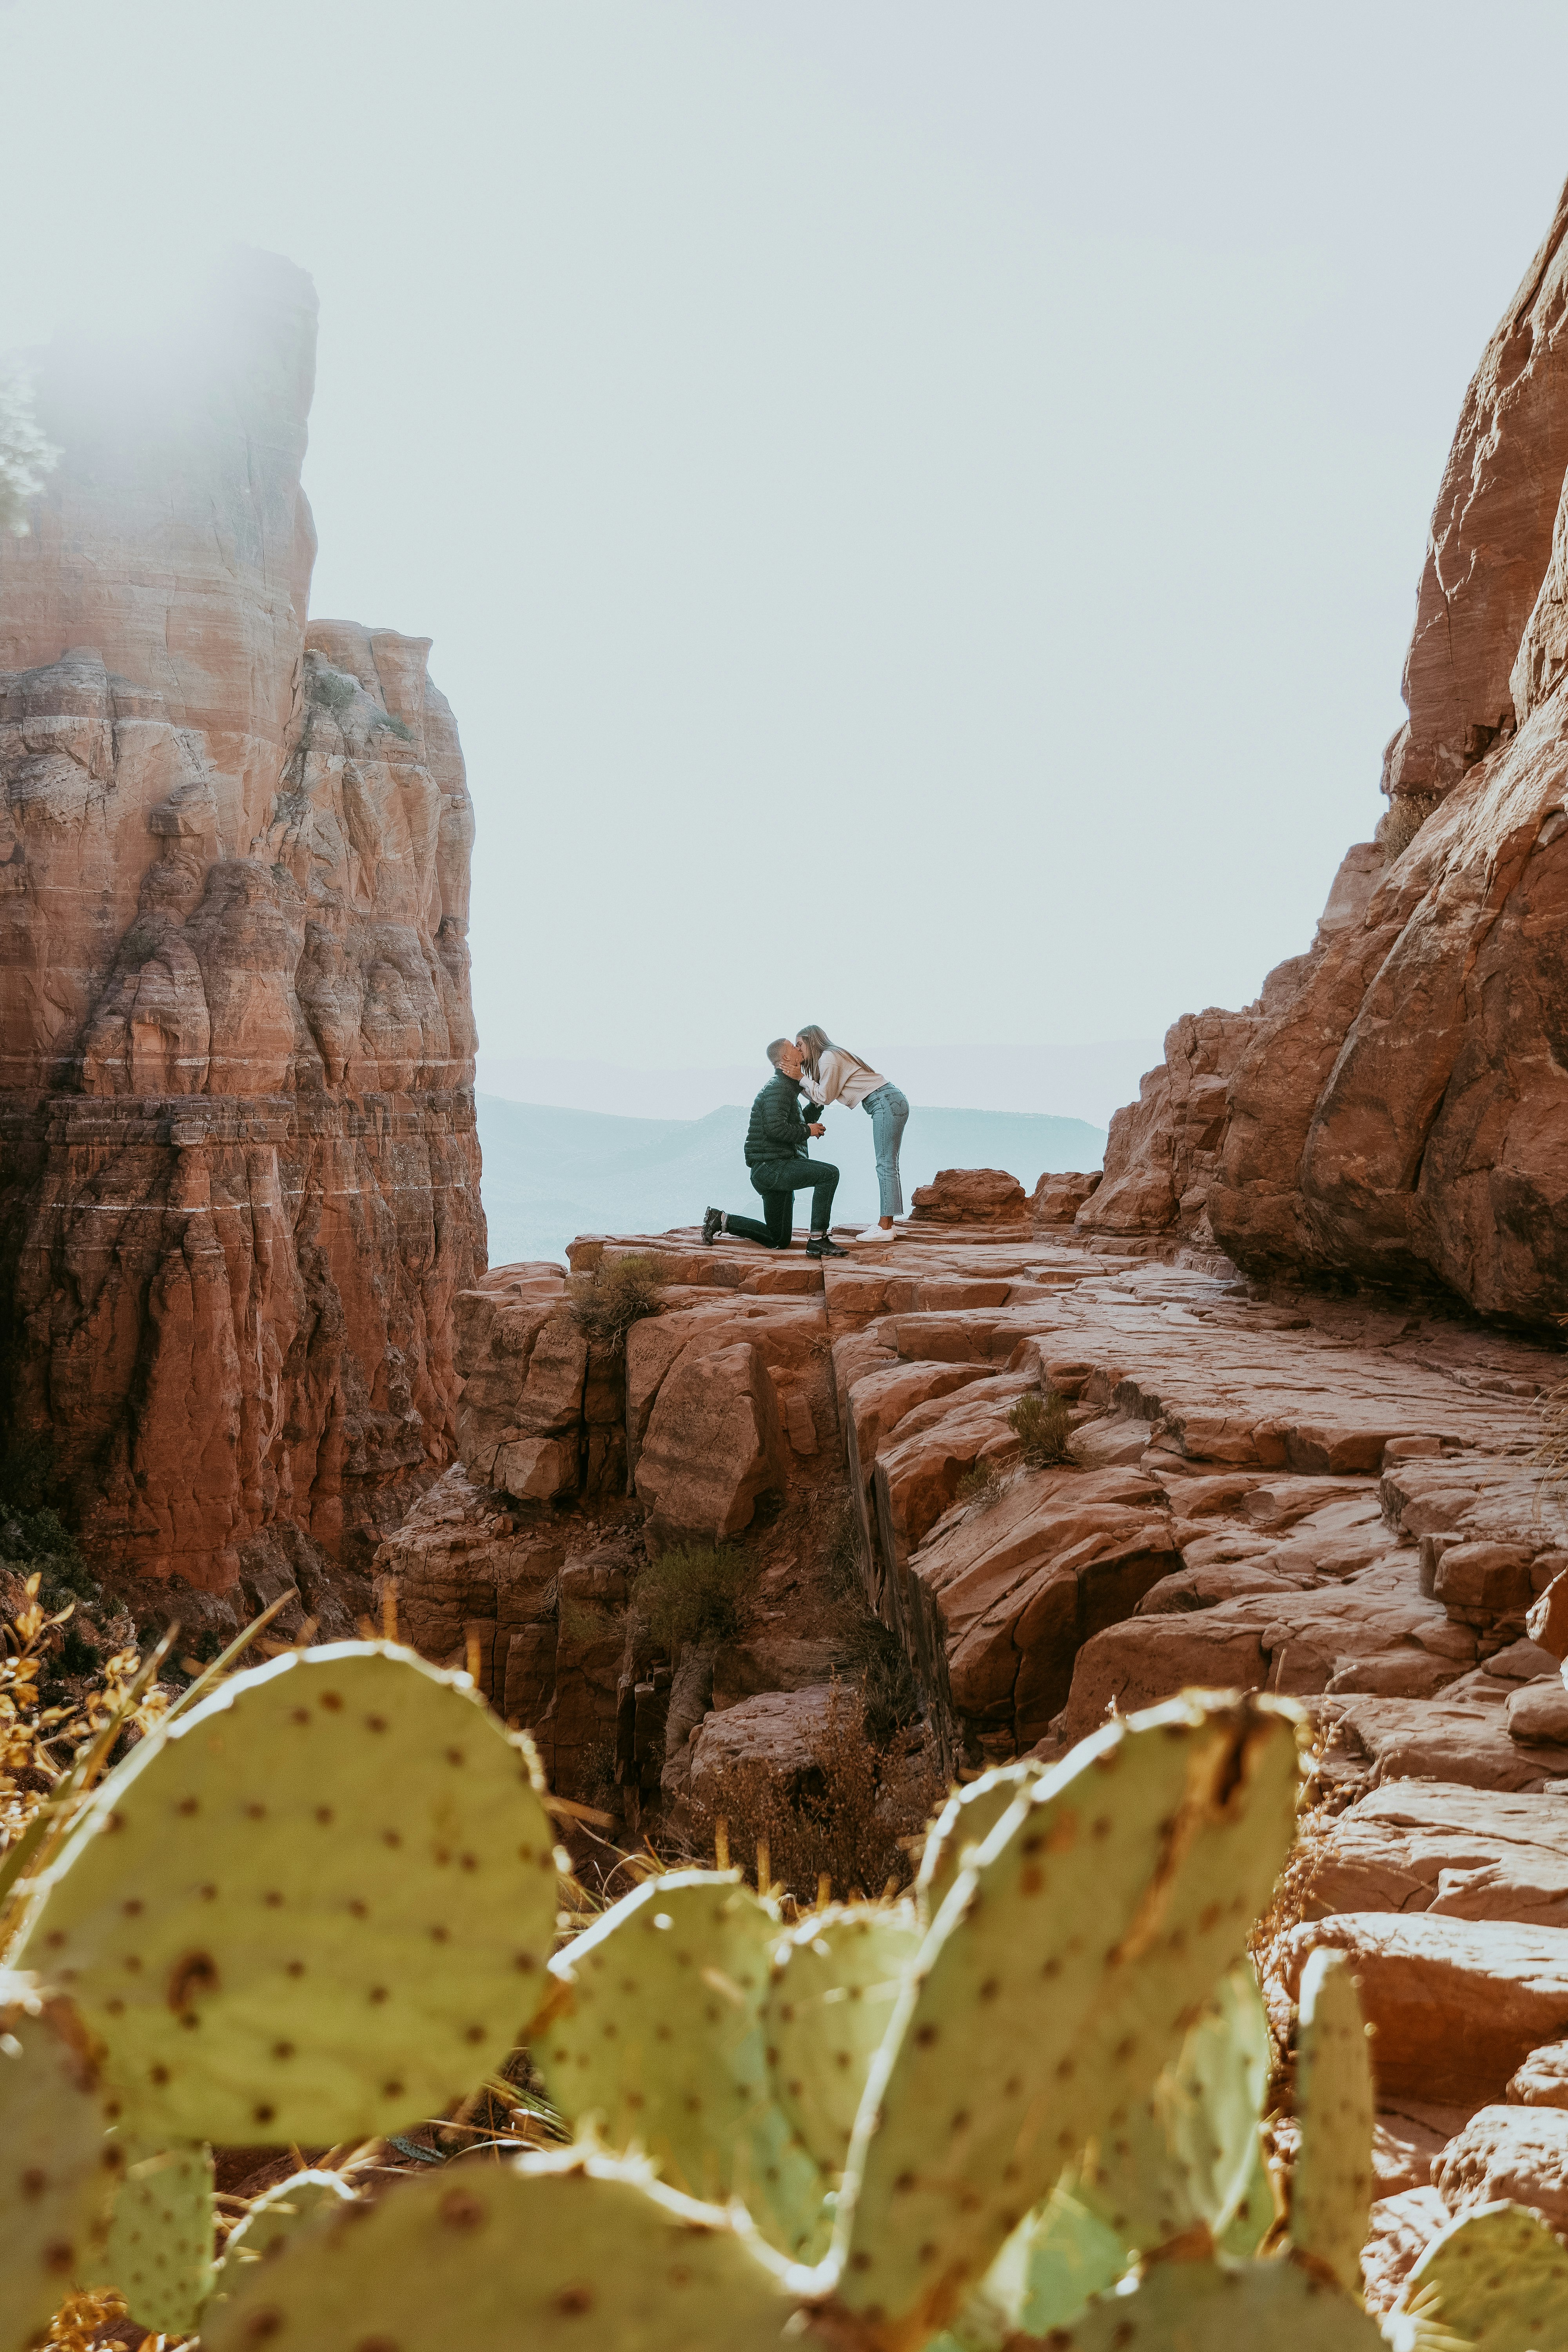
{"x":1043,"y":1426}
{"x":604,"y":1304}
{"x":1407,"y":814}
{"x":982,"y":1487}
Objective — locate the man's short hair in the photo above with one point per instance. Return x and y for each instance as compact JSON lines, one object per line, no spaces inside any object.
{"x":779,"y":1045}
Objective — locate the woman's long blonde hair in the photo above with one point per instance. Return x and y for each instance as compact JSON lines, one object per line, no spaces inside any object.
{"x":814,"y":1042}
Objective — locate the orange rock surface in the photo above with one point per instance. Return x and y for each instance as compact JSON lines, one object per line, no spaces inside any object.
{"x":1395,"y":1105}
{"x":239,"y":1173}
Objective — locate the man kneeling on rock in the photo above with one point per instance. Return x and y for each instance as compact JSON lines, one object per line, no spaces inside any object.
{"x":776,"y":1156}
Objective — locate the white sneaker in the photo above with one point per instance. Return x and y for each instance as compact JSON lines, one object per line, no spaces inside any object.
{"x":875,"y":1233}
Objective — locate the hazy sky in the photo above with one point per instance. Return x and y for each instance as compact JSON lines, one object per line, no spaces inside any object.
{"x":919,"y":506}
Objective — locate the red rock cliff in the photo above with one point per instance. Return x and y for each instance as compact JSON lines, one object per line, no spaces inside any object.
{"x":238,"y":1172}
{"x":1395,"y":1105}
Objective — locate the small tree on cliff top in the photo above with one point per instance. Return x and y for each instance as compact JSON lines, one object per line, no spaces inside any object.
{"x":26,"y":456}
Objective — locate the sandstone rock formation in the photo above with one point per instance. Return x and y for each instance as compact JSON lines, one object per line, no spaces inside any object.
{"x":1392,"y":1107}
{"x":237,"y":1164}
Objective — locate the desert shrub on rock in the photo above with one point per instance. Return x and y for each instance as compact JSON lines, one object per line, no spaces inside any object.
{"x":693,"y":1593}
{"x":605,"y":1303}
{"x":1043,"y":1426}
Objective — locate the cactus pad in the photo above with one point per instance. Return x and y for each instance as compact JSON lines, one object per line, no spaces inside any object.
{"x":559,"y":2254}
{"x":1186,"y":2153}
{"x":319,"y":1906}
{"x":55,"y":2176}
{"x":1496,"y":2281}
{"x":836,"y":1979}
{"x":659,"y":2049}
{"x":965,"y":1822}
{"x":1220,"y":2307}
{"x":1059,"y":1978}
{"x":160,"y":2250}
{"x":1330,"y":2191}
{"x":1211,"y":2096}
{"x":275,"y":2221}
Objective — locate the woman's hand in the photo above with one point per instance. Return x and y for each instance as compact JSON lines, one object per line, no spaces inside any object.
{"x":817,"y":1131}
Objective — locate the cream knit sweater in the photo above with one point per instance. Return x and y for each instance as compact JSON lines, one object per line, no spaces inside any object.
{"x":842,"y":1081}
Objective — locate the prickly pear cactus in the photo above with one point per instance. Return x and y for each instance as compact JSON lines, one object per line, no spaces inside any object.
{"x":57,"y":2172}
{"x":1496,"y":2281}
{"x":1211,"y":2098}
{"x":160,"y":2250}
{"x":558,"y":2254}
{"x":1330,"y":2191}
{"x":836,"y":1977}
{"x":321,"y":1906}
{"x":657,"y":2047}
{"x":273,"y":2222}
{"x":1057,"y":1979}
{"x":963,"y":1824}
{"x":1223,"y":2306}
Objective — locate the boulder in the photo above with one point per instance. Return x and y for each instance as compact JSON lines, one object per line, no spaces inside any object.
{"x":1542,"y":2080}
{"x":1515,"y":2154}
{"x":714,"y":1443}
{"x":1057,"y":1199}
{"x":986,"y":1199}
{"x":1400,"y":2229}
{"x":1457,"y":2005}
{"x":1538,"y":1712}
{"x":783,"y":1735}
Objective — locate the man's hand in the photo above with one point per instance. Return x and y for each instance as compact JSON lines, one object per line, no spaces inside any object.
{"x":817,"y":1131}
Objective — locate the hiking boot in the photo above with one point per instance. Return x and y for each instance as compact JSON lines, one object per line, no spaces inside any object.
{"x":822,"y":1245}
{"x":713,"y":1223}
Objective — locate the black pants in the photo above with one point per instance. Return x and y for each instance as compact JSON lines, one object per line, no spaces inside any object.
{"x":778,"y":1181}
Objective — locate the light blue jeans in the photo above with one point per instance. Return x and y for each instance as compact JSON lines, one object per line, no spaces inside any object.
{"x":888,"y":1110}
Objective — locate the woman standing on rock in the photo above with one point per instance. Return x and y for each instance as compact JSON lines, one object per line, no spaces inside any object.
{"x":830,"y":1074}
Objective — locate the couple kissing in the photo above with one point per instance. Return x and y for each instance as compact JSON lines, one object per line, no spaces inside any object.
{"x":811,"y":1066}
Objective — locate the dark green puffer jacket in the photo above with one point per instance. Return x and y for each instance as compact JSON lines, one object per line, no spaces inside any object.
{"x":777,"y":1130}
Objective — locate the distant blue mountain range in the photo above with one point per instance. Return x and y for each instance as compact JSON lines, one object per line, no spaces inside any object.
{"x":551,"y":1175}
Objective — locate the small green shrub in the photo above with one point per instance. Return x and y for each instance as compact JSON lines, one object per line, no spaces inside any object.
{"x":691,"y":1594}
{"x":1043,"y":1426}
{"x":604,"y":1305}
{"x":390,"y":724}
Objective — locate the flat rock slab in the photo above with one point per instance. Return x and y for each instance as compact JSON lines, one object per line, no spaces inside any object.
{"x":1442,"y":1739}
{"x":1457,"y":2005}
{"x":1446,"y":1849}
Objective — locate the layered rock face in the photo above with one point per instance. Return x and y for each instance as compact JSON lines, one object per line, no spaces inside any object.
{"x":1394,"y":1106}
{"x":239,"y":1173}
